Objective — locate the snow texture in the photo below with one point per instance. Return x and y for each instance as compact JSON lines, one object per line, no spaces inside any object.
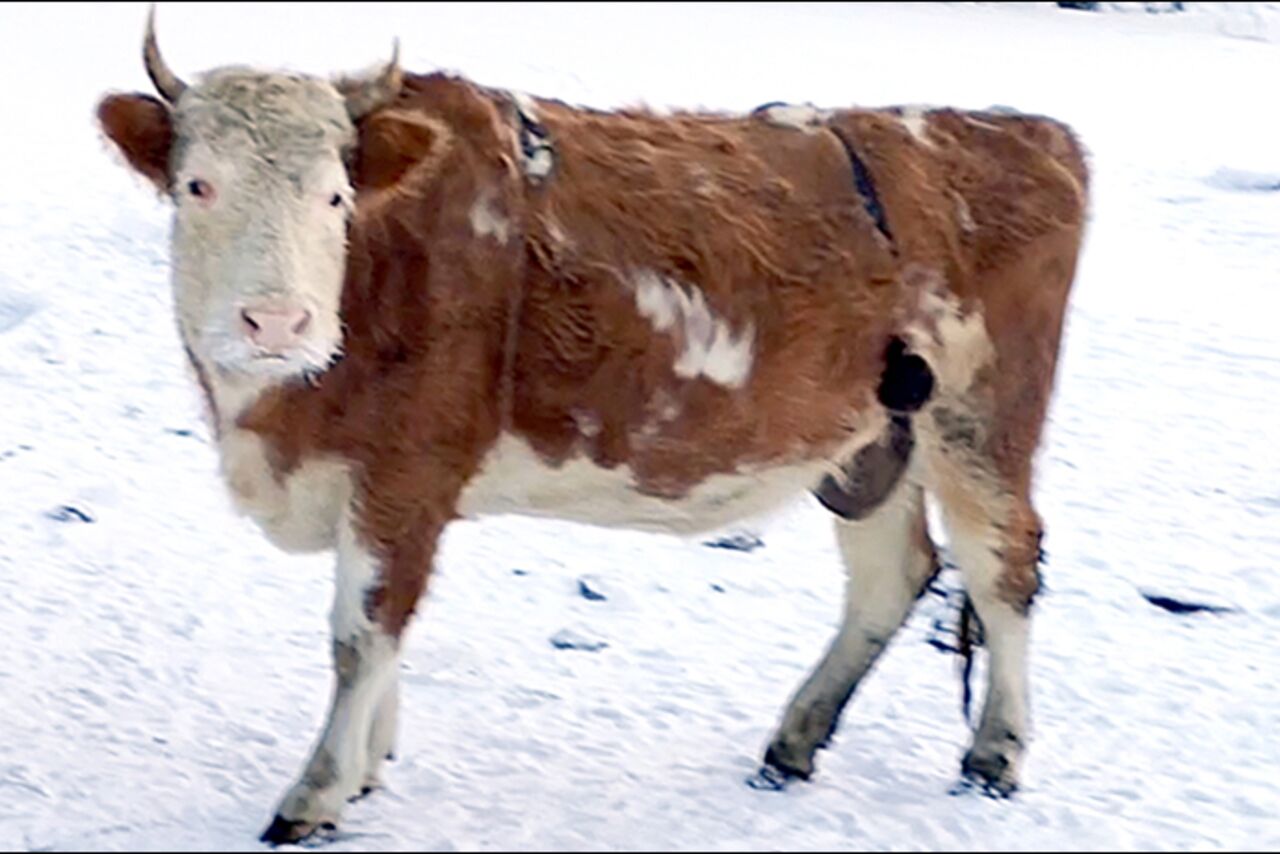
{"x":166,"y":670}
{"x":1249,"y":182}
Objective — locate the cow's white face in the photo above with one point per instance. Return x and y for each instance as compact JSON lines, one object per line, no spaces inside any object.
{"x":261,"y":199}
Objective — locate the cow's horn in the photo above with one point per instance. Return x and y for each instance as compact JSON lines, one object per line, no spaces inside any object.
{"x":365,"y":96}
{"x":168,"y":84}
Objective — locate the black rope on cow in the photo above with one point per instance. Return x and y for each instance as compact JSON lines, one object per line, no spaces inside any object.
{"x":968,"y":637}
{"x":533,"y":135}
{"x":535,"y":143}
{"x":957,"y":630}
{"x":865,"y":186}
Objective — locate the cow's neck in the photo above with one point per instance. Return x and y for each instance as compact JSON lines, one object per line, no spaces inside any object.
{"x":227,"y":396}
{"x":233,"y":395}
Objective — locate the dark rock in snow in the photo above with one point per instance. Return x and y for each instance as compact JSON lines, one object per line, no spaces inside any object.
{"x":1153,"y":6}
{"x":569,"y":639}
{"x":588,"y":592}
{"x":743,"y":542}
{"x":520,"y":572}
{"x":68,"y":513}
{"x":1179,"y":606}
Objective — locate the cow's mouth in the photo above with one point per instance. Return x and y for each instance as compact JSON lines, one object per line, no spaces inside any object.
{"x":302,"y":363}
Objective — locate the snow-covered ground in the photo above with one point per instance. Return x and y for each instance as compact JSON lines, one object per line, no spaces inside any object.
{"x":165,"y":670}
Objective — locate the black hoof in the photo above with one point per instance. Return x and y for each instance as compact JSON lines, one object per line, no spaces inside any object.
{"x":282,"y":831}
{"x":989,"y":775}
{"x":993,"y":789}
{"x":777,"y":772}
{"x":798,"y":767}
{"x":769,"y":779}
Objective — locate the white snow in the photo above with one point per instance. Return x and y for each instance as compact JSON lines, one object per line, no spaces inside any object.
{"x":1244,"y":180}
{"x":165,"y":670}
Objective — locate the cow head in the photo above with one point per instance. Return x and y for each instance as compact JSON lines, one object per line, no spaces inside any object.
{"x":259,"y":169}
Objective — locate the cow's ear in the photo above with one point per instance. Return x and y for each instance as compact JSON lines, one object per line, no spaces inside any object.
{"x":142,"y":128}
{"x":393,"y":142}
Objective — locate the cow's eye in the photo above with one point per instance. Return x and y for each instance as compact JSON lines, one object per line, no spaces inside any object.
{"x":199,"y":189}
{"x":336,"y":201}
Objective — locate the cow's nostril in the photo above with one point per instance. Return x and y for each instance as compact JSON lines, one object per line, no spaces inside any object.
{"x":302,"y":323}
{"x":249,"y":321}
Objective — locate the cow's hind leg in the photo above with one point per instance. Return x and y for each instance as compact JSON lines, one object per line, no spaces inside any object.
{"x":883,"y":540}
{"x":995,"y":540}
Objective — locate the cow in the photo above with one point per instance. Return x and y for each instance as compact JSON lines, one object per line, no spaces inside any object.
{"x":409,"y":299}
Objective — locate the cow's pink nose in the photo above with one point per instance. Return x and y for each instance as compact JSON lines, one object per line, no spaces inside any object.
{"x":275,"y":328}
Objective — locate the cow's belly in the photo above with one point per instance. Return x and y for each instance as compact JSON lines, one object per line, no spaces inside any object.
{"x":514,"y":479}
{"x":299,"y":511}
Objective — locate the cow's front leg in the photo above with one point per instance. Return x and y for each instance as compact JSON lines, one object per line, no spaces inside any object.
{"x":382,"y":736}
{"x":366,"y":640}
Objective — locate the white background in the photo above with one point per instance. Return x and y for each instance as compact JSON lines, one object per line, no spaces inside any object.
{"x":164,"y":670}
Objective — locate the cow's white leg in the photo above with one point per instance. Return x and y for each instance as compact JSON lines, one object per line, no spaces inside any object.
{"x":382,"y":736}
{"x":997,"y":553}
{"x":364,"y":663}
{"x":889,"y":558}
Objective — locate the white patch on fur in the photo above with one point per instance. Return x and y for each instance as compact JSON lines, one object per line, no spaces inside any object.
{"x":555,"y":232}
{"x":356,"y":573}
{"x":708,"y":345}
{"x":804,"y":117}
{"x":588,"y":423}
{"x":486,"y":221}
{"x":514,"y":479}
{"x":979,"y":123}
{"x":702,"y":182}
{"x":538,"y":165}
{"x":298,"y":512}
{"x":526,"y":105}
{"x":964,"y":216}
{"x":916,"y":120}
{"x":955,"y":343}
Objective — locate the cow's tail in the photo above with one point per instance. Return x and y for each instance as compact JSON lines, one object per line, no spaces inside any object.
{"x":968,"y":636}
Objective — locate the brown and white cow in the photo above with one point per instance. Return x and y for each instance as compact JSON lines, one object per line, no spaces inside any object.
{"x":410,"y":299}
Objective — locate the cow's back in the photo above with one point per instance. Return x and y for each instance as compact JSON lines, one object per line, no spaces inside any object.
{"x":969,"y":191}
